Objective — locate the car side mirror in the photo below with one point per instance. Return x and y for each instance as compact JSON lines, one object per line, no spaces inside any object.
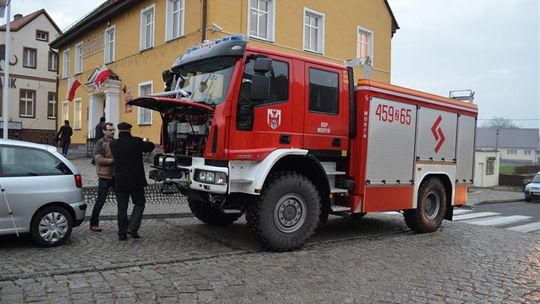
{"x":260,"y":88}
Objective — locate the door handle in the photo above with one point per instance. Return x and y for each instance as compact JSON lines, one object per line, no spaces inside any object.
{"x":285,"y":139}
{"x":336,"y":142}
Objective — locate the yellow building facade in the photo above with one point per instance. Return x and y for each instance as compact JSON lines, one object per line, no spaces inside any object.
{"x":138,"y":39}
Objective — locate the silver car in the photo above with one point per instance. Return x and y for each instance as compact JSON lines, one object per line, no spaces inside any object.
{"x":532,"y":190}
{"x":40,"y":192}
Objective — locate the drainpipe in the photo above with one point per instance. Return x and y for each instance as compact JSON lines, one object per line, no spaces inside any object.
{"x":204,"y":5}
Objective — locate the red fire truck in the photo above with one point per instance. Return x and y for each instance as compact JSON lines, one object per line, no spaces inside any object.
{"x":289,"y":140}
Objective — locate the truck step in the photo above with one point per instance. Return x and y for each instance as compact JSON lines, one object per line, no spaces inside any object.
{"x":336,"y":208}
{"x":335,"y":173}
{"x":339,"y":191}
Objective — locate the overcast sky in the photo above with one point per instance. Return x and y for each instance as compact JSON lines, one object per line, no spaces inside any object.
{"x":489,"y":46}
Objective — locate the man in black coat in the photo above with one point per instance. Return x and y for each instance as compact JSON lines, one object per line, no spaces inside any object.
{"x":129,"y":179}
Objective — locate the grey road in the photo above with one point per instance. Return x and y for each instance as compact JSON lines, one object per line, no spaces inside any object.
{"x":374,"y":259}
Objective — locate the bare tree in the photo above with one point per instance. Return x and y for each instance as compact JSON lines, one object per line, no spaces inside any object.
{"x":500,"y":123}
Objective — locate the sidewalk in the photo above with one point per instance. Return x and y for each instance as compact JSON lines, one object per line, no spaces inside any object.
{"x":176,"y":207}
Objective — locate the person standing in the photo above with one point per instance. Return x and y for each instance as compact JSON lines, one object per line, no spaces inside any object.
{"x":64,"y":136}
{"x":98,"y":133}
{"x":130,"y":179}
{"x":104,"y":170}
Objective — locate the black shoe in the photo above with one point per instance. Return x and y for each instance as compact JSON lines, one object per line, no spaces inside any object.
{"x":134,"y":234}
{"x":122,"y":237}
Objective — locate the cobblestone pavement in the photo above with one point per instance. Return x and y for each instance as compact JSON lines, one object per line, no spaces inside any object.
{"x":179,"y":260}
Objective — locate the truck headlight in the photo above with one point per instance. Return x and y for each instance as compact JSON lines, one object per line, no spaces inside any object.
{"x":211,"y":177}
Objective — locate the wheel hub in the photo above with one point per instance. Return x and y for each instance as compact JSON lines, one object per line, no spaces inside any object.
{"x":53,"y":226}
{"x":290,"y":213}
{"x":433,"y":204}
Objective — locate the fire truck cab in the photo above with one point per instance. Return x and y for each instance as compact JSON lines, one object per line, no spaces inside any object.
{"x":288,"y":140}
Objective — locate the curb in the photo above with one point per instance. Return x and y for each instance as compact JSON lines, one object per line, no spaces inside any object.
{"x":500,"y":201}
{"x":145,"y":216}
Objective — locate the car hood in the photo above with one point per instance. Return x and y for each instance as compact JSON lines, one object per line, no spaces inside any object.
{"x":164,"y":104}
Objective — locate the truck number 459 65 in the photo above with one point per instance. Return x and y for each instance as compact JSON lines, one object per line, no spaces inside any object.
{"x":390,"y":114}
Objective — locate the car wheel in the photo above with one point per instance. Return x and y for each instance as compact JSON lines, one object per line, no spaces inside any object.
{"x":528,"y":198}
{"x":51,"y":226}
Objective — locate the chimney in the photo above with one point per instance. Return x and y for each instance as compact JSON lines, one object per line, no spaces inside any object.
{"x":17,"y":16}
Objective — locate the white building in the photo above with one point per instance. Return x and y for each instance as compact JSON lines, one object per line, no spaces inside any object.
{"x":32,"y":77}
{"x":517,"y":146}
{"x":486,"y":168}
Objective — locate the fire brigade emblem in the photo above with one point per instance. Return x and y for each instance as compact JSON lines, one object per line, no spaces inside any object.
{"x":273,"y":118}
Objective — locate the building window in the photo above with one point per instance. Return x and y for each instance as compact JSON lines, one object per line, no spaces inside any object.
{"x":53,"y":61}
{"x":109,"y":44}
{"x":65,"y":67}
{"x":364,"y":44}
{"x":527,"y":152}
{"x":261,"y":19}
{"x":42,"y":36}
{"x":144,"y":116}
{"x":77,"y":113}
{"x":51,"y":105}
{"x":78,"y":58}
{"x":490,"y":166}
{"x":27,"y":103}
{"x":147,"y":28}
{"x":323,"y":91}
{"x":313,"y":31}
{"x":175,"y":19}
{"x":65,"y":110}
{"x":29,"y":58}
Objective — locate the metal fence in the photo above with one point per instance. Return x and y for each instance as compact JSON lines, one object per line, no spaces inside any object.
{"x":154,"y":194}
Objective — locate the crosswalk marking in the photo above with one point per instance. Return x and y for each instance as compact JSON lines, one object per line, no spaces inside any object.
{"x":461,"y":211}
{"x":474,"y":215}
{"x":526,"y":228}
{"x":499,"y":220}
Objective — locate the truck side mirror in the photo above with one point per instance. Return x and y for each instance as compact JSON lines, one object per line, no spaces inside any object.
{"x":262,"y":65}
{"x":260,"y":88}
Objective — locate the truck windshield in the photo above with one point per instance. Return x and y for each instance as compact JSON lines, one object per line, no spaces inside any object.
{"x":207,"y":81}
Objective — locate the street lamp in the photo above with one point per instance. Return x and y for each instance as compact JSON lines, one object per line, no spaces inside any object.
{"x":497,"y":140}
{"x":3,"y":5}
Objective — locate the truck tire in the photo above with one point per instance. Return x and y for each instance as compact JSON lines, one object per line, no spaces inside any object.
{"x":431,"y":208}
{"x":203,"y":210}
{"x":51,"y":226}
{"x":287,"y":212}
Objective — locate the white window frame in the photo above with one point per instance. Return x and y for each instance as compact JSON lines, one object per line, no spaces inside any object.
{"x":142,"y":110}
{"x":271,"y":22}
{"x":108,"y":53}
{"x":144,"y":45}
{"x":371,"y":39}
{"x":54,"y":105}
{"x":320,"y":33}
{"x":30,"y":103}
{"x":65,"y":110}
{"x":169,"y":33}
{"x":79,"y":58}
{"x":52,"y":62}
{"x":30,"y":61}
{"x":65,"y":64}
{"x":77,"y":113}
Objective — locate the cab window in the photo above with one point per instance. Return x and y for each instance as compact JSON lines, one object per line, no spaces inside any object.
{"x":279,"y":81}
{"x":323,"y":91}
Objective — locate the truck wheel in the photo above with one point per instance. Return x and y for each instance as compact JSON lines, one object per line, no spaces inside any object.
{"x":202,"y":210}
{"x":429,"y":214}
{"x":51,"y":226}
{"x":287,"y":213}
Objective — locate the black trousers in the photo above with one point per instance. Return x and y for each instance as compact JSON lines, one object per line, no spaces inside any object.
{"x":134,"y":222}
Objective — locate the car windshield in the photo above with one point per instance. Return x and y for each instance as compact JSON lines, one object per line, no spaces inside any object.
{"x":207,"y":81}
{"x":536,"y":179}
